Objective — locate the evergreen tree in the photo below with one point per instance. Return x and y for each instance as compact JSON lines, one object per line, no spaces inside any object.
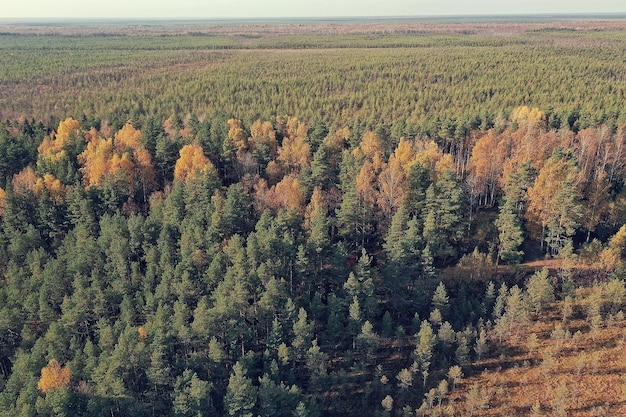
{"x":418,"y":181}
{"x":440,"y":300}
{"x":540,"y":290}
{"x":190,"y":397}
{"x":444,"y":222}
{"x":241,"y":395}
{"x":511,"y":236}
{"x":302,"y":334}
{"x":322,"y":174}
{"x":317,"y":133}
{"x":426,"y":341}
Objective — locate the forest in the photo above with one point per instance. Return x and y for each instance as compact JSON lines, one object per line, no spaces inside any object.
{"x":279,"y":221}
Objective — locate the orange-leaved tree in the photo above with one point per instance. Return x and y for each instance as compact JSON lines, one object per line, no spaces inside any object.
{"x":52,"y":185}
{"x":3,"y":201}
{"x":54,"y":377}
{"x":392,"y":186}
{"x":485,"y":167}
{"x":122,"y":159}
{"x":554,"y":200}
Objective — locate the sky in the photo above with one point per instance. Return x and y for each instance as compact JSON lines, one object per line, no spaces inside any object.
{"x":212,"y":9}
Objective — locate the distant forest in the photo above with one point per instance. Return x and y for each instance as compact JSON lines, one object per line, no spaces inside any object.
{"x":259,"y":223}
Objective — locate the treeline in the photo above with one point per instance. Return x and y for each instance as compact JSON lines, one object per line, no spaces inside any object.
{"x":282,"y":267}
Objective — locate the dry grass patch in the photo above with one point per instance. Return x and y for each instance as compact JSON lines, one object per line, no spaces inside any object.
{"x":570,"y":371}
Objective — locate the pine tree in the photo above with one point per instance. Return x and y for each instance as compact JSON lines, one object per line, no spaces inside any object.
{"x":190,"y":397}
{"x":444,"y":222}
{"x":419,"y":181}
{"x":240,"y":397}
{"x":322,"y":174}
{"x":426,"y":341}
{"x":540,"y":290}
{"x":510,"y":235}
{"x":440,"y":300}
{"x":481,"y":347}
{"x":302,"y":334}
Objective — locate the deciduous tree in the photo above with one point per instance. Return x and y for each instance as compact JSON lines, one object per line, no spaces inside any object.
{"x":54,"y":377}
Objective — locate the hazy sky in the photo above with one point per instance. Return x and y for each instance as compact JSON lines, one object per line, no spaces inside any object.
{"x":294,"y":8}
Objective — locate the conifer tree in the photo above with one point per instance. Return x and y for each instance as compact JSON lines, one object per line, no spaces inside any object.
{"x":440,"y":300}
{"x":540,"y":290}
{"x":444,"y":221}
{"x":426,"y":341}
{"x":510,"y":234}
{"x":241,"y":395}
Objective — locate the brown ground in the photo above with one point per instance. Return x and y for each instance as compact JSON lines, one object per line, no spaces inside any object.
{"x":592,"y":367}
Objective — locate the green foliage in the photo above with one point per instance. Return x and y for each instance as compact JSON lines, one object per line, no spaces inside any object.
{"x":540,"y":290}
{"x":211,"y":296}
{"x":262,"y":81}
{"x":440,"y":299}
{"x":444,"y":223}
{"x":426,"y":340}
{"x":511,"y":236}
{"x":190,"y":396}
{"x":240,"y":397}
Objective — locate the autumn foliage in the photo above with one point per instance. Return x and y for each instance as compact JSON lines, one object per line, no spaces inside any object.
{"x":192,"y":162}
{"x":122,"y":158}
{"x":54,"y":377}
{"x":3,"y":201}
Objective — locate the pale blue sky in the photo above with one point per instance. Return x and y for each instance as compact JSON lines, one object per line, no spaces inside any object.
{"x":207,"y":9}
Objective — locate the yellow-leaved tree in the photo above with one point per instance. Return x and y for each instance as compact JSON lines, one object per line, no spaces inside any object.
{"x":554,"y":205}
{"x":52,"y":147}
{"x":392,"y":186}
{"x":123,"y":159}
{"x":54,"y":377}
{"x":372,"y":149}
{"x":428,"y":154}
{"x":127,"y":137}
{"x":237,"y":135}
{"x":263,"y":135}
{"x":294,"y":154}
{"x":52,"y":185}
{"x":96,"y":160}
{"x":405,"y":155}
{"x":485,"y":167}
{"x":191,"y":163}
{"x":614,"y":256}
{"x":529,"y":118}
{"x":3,"y":201}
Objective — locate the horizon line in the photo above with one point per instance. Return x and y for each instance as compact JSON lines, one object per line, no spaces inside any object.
{"x":317,"y":18}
